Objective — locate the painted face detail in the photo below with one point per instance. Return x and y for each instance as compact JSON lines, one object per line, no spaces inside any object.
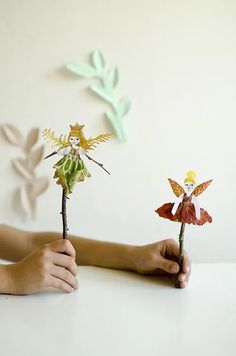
{"x":189,"y":186}
{"x":74,"y":140}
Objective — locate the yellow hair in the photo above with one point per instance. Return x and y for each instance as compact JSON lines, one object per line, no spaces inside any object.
{"x":190,"y":177}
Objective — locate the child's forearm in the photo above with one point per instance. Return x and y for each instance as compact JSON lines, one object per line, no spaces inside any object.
{"x":16,"y":244}
{"x":104,"y":254}
{"x":5,"y":280}
{"x":91,"y":252}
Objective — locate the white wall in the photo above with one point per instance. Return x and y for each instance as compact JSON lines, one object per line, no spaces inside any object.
{"x":177,"y":63}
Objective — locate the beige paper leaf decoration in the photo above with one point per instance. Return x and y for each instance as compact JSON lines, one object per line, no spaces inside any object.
{"x":21,"y":166}
{"x":31,"y":139}
{"x":27,"y":203}
{"x":39,"y":185}
{"x":12,"y":134}
{"x":35,"y":157}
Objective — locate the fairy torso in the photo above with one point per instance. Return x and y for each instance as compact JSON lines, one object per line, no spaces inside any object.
{"x":187,"y":198}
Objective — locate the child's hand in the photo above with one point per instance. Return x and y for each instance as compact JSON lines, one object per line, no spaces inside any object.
{"x":46,"y":267}
{"x":161,"y":258}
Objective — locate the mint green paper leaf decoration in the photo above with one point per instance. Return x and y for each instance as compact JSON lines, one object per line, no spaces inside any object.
{"x":82,"y":69}
{"x":123,"y":107}
{"x":118,"y":128}
{"x":101,"y":91}
{"x":108,"y":80}
{"x":98,"y":61}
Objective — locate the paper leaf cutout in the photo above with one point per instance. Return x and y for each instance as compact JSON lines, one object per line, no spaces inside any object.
{"x":105,"y":89}
{"x":201,"y":187}
{"x":39,"y":185}
{"x":117,"y":126}
{"x":98,"y":61}
{"x":21,"y":166}
{"x":101,"y":91}
{"x":124,"y":107}
{"x":111,"y":80}
{"x":12,"y":134}
{"x":31,"y":139}
{"x":176,"y":187}
{"x":82,"y":69}
{"x":28,"y":204}
{"x":35,"y":157}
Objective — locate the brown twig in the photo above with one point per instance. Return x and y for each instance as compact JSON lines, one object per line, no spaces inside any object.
{"x":181,"y":251}
{"x":63,"y":213}
{"x":99,"y":164}
{"x":51,"y":154}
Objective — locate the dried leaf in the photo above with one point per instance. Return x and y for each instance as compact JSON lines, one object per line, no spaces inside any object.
{"x":92,"y":142}
{"x":176,"y":187}
{"x":49,"y":135}
{"x":35,"y":157}
{"x":12,"y":134}
{"x":39,"y":185}
{"x":21,"y":166}
{"x":31,"y":139}
{"x":201,"y":187}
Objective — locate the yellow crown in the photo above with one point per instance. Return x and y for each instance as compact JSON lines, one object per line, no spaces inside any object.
{"x":76,"y":130}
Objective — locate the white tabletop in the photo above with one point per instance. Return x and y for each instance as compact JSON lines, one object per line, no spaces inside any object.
{"x":117,"y":313}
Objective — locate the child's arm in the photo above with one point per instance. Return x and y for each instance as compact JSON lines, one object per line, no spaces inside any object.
{"x":157,"y":258}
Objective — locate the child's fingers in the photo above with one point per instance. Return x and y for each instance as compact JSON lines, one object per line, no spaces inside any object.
{"x":63,"y":246}
{"x":186,"y":266}
{"x":168,"y":265}
{"x":65,"y":261}
{"x":65,"y":275}
{"x":172,"y":248}
{"x":60,"y":284}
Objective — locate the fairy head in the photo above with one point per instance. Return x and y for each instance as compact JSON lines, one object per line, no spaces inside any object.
{"x":76,"y":134}
{"x":190,"y":182}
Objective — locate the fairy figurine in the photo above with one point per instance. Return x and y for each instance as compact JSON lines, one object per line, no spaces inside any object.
{"x":185,"y":209}
{"x":71,"y":168}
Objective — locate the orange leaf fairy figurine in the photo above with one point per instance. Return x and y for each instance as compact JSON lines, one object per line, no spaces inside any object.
{"x":185,"y":209}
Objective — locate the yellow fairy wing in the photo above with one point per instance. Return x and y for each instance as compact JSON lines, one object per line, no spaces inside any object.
{"x":176,"y":187}
{"x":58,"y":142}
{"x":201,"y":187}
{"x":92,"y":142}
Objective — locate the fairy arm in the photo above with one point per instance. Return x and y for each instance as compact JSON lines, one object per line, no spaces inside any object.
{"x":197,"y":207}
{"x":178,"y":200}
{"x":64,"y":151}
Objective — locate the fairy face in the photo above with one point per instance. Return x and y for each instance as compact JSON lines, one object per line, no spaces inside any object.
{"x":74,"y":141}
{"x":189,"y":186}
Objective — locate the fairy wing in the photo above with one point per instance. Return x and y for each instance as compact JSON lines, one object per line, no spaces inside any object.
{"x":58,"y":142}
{"x":176,"y":187}
{"x":92,"y":142}
{"x":201,"y":187}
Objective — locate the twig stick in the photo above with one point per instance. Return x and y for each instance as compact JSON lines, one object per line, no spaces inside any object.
{"x":51,"y":154}
{"x":63,"y":213}
{"x":100,"y":164}
{"x":181,"y":250}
